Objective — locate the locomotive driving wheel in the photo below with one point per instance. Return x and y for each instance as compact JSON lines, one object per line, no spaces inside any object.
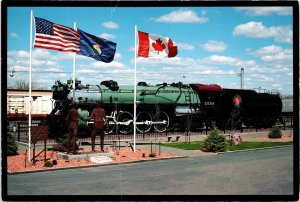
{"x":125,"y":122}
{"x":161,"y":121}
{"x":143,"y":120}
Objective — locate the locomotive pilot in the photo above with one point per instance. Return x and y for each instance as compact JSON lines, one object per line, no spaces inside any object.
{"x":100,"y":121}
{"x":72,"y":124}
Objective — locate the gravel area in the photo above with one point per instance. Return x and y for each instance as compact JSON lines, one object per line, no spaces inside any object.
{"x":284,"y":138}
{"x":20,"y":163}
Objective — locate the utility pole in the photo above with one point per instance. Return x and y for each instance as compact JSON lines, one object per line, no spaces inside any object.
{"x":242,"y":78}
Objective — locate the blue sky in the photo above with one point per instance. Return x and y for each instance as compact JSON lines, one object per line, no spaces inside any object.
{"x":214,"y":43}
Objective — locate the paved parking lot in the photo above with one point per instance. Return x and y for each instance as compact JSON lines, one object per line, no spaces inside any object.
{"x":260,"y":172}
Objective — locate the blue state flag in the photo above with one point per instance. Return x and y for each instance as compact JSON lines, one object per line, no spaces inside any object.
{"x":96,"y":47}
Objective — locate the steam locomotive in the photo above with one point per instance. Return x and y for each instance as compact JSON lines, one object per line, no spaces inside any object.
{"x":166,"y":106}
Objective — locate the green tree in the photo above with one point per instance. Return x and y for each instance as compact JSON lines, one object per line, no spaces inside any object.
{"x":24,"y":85}
{"x":275,"y":132}
{"x":12,"y":146}
{"x":215,"y":142}
{"x":233,"y":123}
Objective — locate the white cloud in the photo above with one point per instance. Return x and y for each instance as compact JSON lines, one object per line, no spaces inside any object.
{"x":37,"y":62}
{"x":261,"y":11}
{"x":107,"y":36}
{"x":14,"y":35}
{"x":110,"y":25}
{"x":185,"y":46}
{"x":112,"y":64}
{"x":117,"y":56}
{"x":158,"y":62}
{"x":225,"y":60}
{"x":274,"y":54}
{"x":182,"y":16}
{"x":42,"y":54}
{"x":214,"y":46}
{"x":217,"y":69}
{"x":257,"y":30}
{"x":121,"y":71}
{"x":277,"y":86}
{"x":18,"y":54}
{"x":67,"y":56}
{"x":42,"y":60}
{"x":38,"y":54}
{"x":86,"y":71}
{"x":262,"y":77}
{"x":131,"y":49}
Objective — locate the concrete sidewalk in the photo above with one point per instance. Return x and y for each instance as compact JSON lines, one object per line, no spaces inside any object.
{"x":174,"y":151}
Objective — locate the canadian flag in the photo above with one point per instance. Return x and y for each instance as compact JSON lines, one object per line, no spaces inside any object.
{"x":151,"y":45}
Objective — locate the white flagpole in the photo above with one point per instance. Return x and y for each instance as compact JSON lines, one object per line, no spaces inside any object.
{"x":74,"y":71}
{"x":30,"y":97}
{"x":134,"y":99}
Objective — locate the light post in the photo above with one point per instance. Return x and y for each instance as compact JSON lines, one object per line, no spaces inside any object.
{"x":242,"y":78}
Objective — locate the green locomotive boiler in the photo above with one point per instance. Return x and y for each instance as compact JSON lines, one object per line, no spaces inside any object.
{"x":158,"y":106}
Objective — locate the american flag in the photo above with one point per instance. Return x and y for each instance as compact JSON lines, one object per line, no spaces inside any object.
{"x":55,"y":37}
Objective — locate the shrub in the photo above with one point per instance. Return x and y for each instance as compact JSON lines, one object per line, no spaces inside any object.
{"x":152,"y":155}
{"x":12,"y":146}
{"x":275,"y":133}
{"x":48,"y":164}
{"x":54,"y":162}
{"x":215,"y":142}
{"x":62,"y":144}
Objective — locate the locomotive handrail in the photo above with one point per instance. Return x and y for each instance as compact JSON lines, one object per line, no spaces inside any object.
{"x":180,"y":93}
{"x":130,"y":121}
{"x":163,"y":86}
{"x":151,"y":122}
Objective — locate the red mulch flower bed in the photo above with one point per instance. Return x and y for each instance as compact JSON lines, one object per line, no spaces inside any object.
{"x":17,"y":163}
{"x":282,"y":139}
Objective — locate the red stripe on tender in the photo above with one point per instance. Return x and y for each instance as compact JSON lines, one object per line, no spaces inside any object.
{"x":212,"y":87}
{"x":143,"y":49}
{"x":10,"y":115}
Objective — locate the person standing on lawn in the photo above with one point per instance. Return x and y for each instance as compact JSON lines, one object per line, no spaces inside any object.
{"x":72,"y":124}
{"x":100,"y":120}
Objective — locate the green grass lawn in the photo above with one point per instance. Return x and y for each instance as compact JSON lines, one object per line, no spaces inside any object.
{"x":244,"y":145}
